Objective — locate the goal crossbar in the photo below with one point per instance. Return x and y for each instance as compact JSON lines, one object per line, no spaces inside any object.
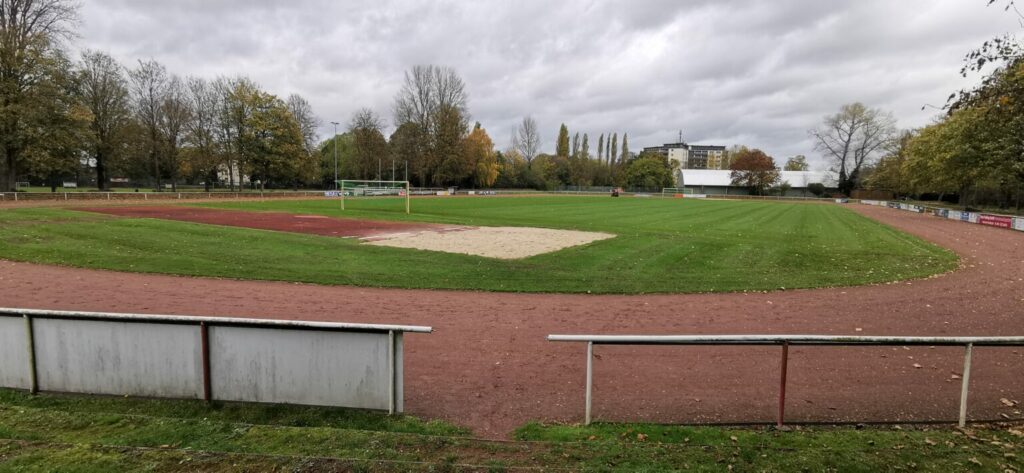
{"x":674,"y":191}
{"x":373,"y":188}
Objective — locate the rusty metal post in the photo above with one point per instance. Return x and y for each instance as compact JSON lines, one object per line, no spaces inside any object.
{"x":782,"y":384}
{"x":33,"y":386}
{"x":963,"y":386}
{"x":204,"y":340}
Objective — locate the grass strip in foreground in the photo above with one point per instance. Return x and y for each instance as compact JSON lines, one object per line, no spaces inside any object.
{"x":78,"y":433}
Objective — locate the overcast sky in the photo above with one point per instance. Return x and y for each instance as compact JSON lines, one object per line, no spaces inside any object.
{"x":759,"y":73}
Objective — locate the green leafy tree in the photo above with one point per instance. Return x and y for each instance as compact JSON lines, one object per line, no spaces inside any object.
{"x":31,"y":74}
{"x":649,"y":171}
{"x":950,"y":156}
{"x":103,"y":89}
{"x":274,"y":138}
{"x":343,"y":144}
{"x":408,"y":148}
{"x":890,"y":174}
{"x":58,"y":141}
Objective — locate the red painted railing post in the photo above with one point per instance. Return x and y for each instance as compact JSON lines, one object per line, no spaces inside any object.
{"x":782,"y":384}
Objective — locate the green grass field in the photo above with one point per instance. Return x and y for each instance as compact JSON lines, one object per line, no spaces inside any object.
{"x":662,"y":246}
{"x":50,"y":432}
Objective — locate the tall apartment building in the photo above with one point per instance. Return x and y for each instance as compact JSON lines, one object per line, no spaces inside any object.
{"x":693,"y":156}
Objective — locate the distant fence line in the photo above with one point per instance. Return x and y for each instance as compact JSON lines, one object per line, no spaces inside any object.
{"x":1012,"y":222}
{"x":416,"y":191}
{"x":211,"y":358}
{"x":146,"y":196}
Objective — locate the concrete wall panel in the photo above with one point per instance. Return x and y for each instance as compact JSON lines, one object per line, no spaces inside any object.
{"x":14,"y":368}
{"x":103,"y":357}
{"x":300,"y":367}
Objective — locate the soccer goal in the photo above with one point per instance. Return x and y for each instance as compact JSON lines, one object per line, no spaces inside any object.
{"x":358,"y":189}
{"x":677,"y":192}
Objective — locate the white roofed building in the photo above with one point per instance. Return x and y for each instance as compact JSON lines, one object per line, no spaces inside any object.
{"x":714,"y":181}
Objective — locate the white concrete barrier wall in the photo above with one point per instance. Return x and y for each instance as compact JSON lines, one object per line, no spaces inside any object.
{"x":102,"y":357}
{"x":14,"y":362}
{"x":313,"y":363}
{"x":303,"y":367}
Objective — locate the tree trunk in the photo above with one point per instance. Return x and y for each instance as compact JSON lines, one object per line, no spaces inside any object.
{"x":101,"y":171}
{"x":10,"y":181}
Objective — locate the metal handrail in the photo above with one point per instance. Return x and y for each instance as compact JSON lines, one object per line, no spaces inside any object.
{"x":222,"y":321}
{"x":785,"y":341}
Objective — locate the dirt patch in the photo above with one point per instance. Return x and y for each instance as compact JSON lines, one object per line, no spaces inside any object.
{"x":279,"y":221}
{"x":488,"y":365}
{"x":492,"y":242}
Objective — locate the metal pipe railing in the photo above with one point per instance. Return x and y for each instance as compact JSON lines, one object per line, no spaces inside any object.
{"x":210,"y":321}
{"x":785,"y":341}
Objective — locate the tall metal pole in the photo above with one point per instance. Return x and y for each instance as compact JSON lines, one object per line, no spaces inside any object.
{"x":335,"y":155}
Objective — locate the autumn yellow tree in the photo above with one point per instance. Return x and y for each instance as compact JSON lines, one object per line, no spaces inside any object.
{"x":478,"y":154}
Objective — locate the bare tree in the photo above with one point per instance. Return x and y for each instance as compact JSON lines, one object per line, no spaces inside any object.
{"x":149,"y":85}
{"x":366,"y":119}
{"x":432,"y":108}
{"x":177,"y":113}
{"x":368,"y":144}
{"x":104,"y":91}
{"x":308,"y":121}
{"x":526,"y":139}
{"x":851,"y":138}
{"x":426,"y":91}
{"x":226,"y":131}
{"x":29,"y":32}
{"x":203,"y":131}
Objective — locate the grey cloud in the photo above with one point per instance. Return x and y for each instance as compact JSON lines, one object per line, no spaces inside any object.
{"x":755,"y":72}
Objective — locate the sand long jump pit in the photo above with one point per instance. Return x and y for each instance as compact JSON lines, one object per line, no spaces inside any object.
{"x":489,"y":242}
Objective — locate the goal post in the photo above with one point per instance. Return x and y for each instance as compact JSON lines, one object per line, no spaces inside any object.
{"x":357,"y":188}
{"x":675,"y":192}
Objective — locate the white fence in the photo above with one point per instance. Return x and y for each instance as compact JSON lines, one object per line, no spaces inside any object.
{"x":212,"y":358}
{"x":785,"y":341}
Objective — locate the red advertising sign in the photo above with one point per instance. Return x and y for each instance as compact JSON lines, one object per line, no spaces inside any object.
{"x":996,"y":220}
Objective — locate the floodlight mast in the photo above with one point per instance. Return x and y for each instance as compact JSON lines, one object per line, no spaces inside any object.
{"x":335,"y":154}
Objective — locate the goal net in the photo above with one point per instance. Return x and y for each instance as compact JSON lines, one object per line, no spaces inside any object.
{"x":355,"y":190}
{"x":677,"y":192}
